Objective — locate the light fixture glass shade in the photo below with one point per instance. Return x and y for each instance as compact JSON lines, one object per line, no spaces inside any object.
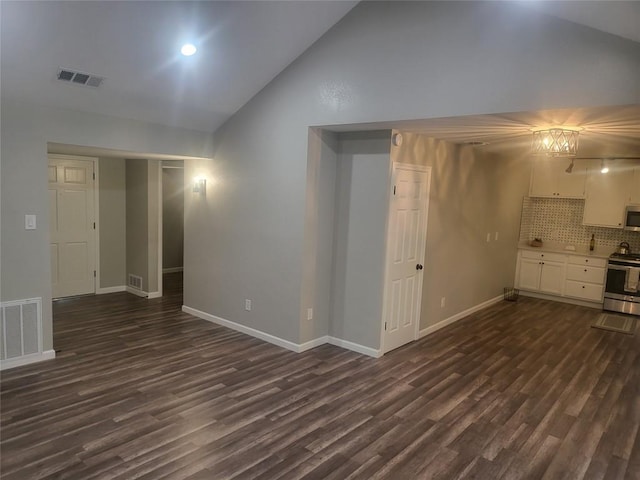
{"x":199,"y":185}
{"x":555,"y":142}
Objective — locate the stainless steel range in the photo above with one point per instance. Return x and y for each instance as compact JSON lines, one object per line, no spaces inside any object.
{"x":622,"y":290}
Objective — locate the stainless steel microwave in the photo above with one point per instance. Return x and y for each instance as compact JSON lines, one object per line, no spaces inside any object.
{"x":632,"y":218}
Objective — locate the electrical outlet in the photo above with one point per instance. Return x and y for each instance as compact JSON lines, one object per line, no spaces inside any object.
{"x":247,"y":305}
{"x":309,"y":313}
{"x":489,"y":237}
{"x":443,"y":302}
{"x":496,"y":237}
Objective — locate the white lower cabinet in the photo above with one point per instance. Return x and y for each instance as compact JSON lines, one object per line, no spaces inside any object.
{"x":563,"y":275}
{"x":551,"y":277}
{"x":541,"y":272}
{"x":585,"y":278}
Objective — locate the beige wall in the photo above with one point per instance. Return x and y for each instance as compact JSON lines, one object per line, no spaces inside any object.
{"x":172,"y":217}
{"x":472,"y":194}
{"x":154,"y":235}
{"x":112,"y":222}
{"x":143,"y":235}
{"x":137,"y":220}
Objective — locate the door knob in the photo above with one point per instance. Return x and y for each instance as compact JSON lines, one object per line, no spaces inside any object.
{"x":419,"y":267}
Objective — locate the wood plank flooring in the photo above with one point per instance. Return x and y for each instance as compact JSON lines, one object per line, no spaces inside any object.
{"x":140,"y":390}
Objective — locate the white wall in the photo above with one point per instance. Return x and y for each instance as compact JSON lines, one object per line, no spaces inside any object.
{"x":26,"y":129}
{"x":256,"y":232}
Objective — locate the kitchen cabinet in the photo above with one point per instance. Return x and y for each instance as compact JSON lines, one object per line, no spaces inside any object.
{"x":634,"y":194}
{"x":585,"y":278}
{"x":541,"y":272}
{"x":607,"y":194}
{"x":549,"y":178}
{"x":566,"y":276}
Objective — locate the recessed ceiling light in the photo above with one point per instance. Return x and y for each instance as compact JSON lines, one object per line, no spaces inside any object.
{"x":188,"y":49}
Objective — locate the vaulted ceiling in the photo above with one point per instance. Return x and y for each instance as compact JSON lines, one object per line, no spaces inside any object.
{"x":135,"y":45}
{"x":242,"y":46}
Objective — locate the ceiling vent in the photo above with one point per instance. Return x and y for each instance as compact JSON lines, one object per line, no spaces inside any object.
{"x":79,"y":78}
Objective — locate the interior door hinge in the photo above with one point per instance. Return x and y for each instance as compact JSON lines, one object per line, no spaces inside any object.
{"x":94,"y":175}
{"x":394,"y":189}
{"x":94,"y":225}
{"x":94,"y":274}
{"x":385,"y":326}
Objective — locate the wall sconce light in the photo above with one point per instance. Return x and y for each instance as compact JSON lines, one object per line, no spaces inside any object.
{"x":555,"y":142}
{"x":200,"y":185}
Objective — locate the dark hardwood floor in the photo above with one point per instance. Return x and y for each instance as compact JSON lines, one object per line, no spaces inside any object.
{"x":141,"y":390}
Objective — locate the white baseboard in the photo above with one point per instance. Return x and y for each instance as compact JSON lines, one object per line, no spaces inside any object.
{"x":281,"y":342}
{"x":139,"y":293}
{"x":116,"y":289}
{"x":267,"y":337}
{"x":142,"y":293}
{"x":354,"y":347}
{"x":316,"y":342}
{"x":27,"y":359}
{"x":458,"y":316}
{"x":172,"y":269}
{"x":557,"y":298}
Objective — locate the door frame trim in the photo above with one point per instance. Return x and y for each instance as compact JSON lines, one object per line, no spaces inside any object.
{"x":415,"y":168}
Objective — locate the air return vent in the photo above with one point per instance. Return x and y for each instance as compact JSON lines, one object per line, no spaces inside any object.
{"x":135,"y":281}
{"x":79,"y":78}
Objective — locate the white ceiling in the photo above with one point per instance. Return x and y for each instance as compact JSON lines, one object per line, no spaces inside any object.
{"x":242,"y":46}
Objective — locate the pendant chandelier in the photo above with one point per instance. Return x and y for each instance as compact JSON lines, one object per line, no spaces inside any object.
{"x":555,"y":142}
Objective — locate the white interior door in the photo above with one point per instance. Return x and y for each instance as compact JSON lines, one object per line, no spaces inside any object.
{"x":72,"y":227}
{"x":405,"y":255}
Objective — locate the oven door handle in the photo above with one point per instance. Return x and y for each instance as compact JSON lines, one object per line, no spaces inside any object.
{"x":617,"y":267}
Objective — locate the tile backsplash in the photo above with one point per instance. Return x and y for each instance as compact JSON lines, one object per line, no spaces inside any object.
{"x":560,"y":220}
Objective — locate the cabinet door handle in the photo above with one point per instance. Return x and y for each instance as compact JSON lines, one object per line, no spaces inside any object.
{"x":585,"y":269}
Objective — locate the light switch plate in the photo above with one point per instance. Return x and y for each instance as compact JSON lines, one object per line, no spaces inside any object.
{"x":29,"y":222}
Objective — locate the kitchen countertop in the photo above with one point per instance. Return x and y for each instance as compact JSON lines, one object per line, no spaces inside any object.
{"x":582,"y":250}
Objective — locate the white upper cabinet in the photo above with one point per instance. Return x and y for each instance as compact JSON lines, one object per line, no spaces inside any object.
{"x":550,"y":179}
{"x":608,"y":193}
{"x":634,"y":194}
